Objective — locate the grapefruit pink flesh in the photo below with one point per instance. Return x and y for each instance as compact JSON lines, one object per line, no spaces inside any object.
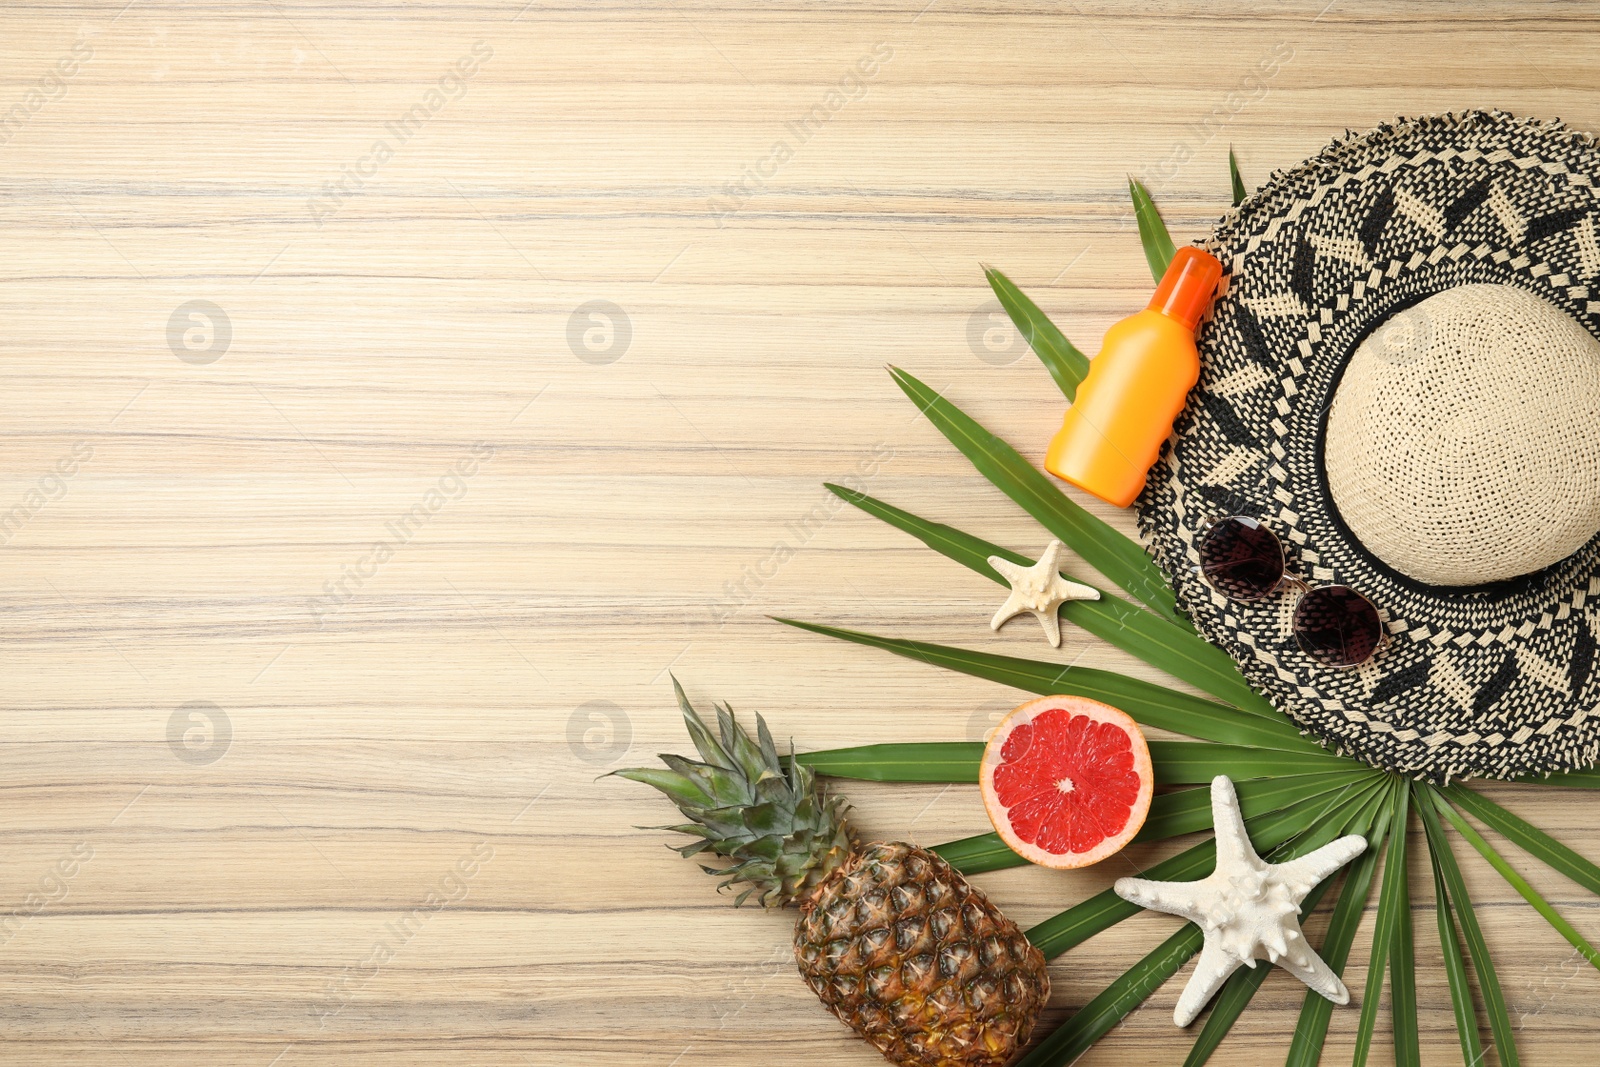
{"x":1067,"y":781}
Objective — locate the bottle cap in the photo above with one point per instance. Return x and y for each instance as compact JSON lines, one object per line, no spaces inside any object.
{"x":1188,"y":286}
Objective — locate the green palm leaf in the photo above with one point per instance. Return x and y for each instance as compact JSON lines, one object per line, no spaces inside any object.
{"x":1060,"y":357}
{"x":904,"y":761}
{"x":1402,"y":955}
{"x":1589,"y":779}
{"x":1184,"y":811}
{"x":979,"y":854}
{"x":1494,"y":1000}
{"x":1455,"y":968}
{"x":1311,"y":1030}
{"x":1516,"y":881}
{"x":1103,"y":548}
{"x":1105,"y":909}
{"x":1162,"y":644}
{"x":1148,"y":704}
{"x":1175,"y":762}
{"x":1233,"y":175}
{"x":1529,"y":837}
{"x":1392,"y":901}
{"x":1188,"y":811}
{"x":1158,"y":246}
{"x":1091,"y":1022}
{"x":1185,"y":762}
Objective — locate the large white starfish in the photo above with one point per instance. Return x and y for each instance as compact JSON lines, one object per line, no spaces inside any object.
{"x":1248,"y":908}
{"x":1039,"y":589}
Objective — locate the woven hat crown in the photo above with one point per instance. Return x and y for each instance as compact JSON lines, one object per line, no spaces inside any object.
{"x":1463,"y":444}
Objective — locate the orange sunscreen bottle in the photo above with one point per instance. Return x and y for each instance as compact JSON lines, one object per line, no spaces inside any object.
{"x":1136,"y":386}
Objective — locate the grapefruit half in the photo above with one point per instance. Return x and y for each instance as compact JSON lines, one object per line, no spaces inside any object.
{"x":1067,"y":781}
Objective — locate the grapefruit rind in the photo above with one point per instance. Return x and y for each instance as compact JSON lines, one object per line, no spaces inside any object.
{"x":1024,"y":839}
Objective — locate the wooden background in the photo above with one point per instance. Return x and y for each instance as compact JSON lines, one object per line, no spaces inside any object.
{"x":241,"y":744}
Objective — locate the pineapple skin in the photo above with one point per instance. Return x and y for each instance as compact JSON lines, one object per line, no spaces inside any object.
{"x":917,"y":961}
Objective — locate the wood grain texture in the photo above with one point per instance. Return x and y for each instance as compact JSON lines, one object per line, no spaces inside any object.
{"x":327,"y":803}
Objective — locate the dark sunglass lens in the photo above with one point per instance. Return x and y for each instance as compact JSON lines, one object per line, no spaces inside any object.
{"x":1337,"y":626}
{"x":1242,"y":558}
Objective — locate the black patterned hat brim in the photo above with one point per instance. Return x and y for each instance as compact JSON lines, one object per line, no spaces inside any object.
{"x":1497,"y":680}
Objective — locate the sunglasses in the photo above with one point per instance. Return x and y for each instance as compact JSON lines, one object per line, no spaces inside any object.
{"x":1334,"y":624}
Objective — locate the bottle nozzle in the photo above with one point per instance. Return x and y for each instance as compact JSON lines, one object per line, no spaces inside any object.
{"x":1188,"y":285}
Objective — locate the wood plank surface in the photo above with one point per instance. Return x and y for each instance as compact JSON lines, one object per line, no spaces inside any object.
{"x":530,"y":331}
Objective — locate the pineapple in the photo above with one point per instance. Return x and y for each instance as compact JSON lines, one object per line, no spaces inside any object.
{"x":892,"y":939}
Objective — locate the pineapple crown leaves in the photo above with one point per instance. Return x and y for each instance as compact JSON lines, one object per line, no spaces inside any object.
{"x":765,"y":815}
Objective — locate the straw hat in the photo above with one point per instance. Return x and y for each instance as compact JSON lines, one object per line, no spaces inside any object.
{"x":1402,"y":379}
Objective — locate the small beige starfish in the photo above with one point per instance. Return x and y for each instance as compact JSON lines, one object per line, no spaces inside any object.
{"x":1039,"y":589}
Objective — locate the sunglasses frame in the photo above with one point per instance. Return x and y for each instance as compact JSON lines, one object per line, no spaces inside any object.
{"x":1288,"y":580}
